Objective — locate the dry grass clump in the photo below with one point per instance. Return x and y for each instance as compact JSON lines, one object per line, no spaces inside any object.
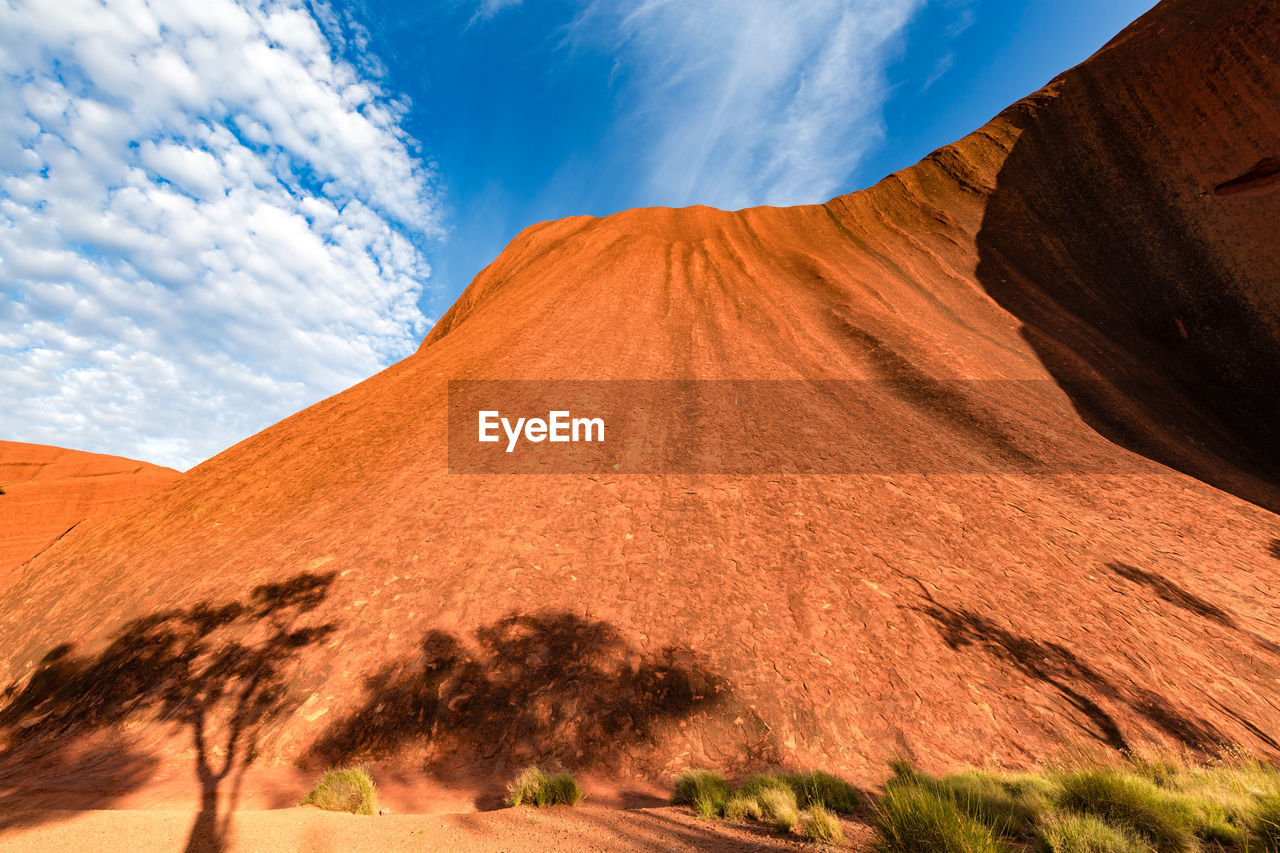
{"x":533,"y":786}
{"x":785,"y":800}
{"x":821,"y":825}
{"x":778,"y":806}
{"x":348,"y":789}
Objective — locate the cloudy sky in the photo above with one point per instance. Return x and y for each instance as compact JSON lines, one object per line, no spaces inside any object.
{"x":214,"y":213}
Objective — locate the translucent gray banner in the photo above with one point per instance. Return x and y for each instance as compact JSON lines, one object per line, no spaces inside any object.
{"x":774,"y":427}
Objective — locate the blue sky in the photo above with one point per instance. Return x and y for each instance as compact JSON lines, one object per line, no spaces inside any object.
{"x":216,"y":212}
{"x":546,"y":65}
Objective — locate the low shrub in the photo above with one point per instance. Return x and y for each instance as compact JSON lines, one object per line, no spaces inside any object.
{"x":349,"y":789}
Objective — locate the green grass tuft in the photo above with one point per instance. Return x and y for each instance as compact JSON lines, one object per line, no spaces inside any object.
{"x":705,"y":790}
{"x":1156,"y":802}
{"x":349,"y":789}
{"x":1010,"y":806}
{"x":561,"y":790}
{"x":1265,"y":837}
{"x":1160,"y":801}
{"x":764,"y":781}
{"x":912,"y":818}
{"x":813,"y":787}
{"x":535,"y":787}
{"x":1075,"y":833}
{"x":816,"y":787}
{"x":742,"y":806}
{"x":524,"y":788}
{"x":821,"y":825}
{"x":1129,"y":801}
{"x":708,"y":806}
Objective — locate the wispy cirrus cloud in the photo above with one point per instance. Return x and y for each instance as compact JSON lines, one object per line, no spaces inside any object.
{"x":486,"y":9}
{"x":207,"y":222}
{"x":741,"y":102}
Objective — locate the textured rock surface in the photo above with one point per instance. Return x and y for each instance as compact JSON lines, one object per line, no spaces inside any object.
{"x":327,"y":590}
{"x":49,"y":490}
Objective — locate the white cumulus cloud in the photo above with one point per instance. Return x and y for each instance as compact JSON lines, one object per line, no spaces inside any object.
{"x":207,"y":222}
{"x":741,"y":102}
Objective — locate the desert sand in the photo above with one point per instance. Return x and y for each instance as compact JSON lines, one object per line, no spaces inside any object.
{"x":574,"y":830}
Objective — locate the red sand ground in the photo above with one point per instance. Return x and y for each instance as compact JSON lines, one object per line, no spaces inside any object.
{"x":49,"y":490}
{"x":326,"y":591}
{"x":579,"y":830}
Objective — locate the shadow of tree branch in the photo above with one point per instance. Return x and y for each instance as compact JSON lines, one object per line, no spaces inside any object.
{"x":1189,"y":601}
{"x":551,"y":688}
{"x":1080,"y":684}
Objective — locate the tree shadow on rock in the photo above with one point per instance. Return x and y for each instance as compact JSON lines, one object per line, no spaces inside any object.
{"x":216,"y":670}
{"x":1189,"y":601}
{"x":1173,"y":593}
{"x":1080,"y":684}
{"x":551,"y":688}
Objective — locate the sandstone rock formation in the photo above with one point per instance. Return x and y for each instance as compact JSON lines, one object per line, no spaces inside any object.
{"x":49,"y":490}
{"x":326,"y":590}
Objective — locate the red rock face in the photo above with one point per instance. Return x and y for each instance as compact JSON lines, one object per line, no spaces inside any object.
{"x":327,"y":590}
{"x":49,"y":490}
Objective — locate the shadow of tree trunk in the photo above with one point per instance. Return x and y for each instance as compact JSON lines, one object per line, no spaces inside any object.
{"x":217,"y":670}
